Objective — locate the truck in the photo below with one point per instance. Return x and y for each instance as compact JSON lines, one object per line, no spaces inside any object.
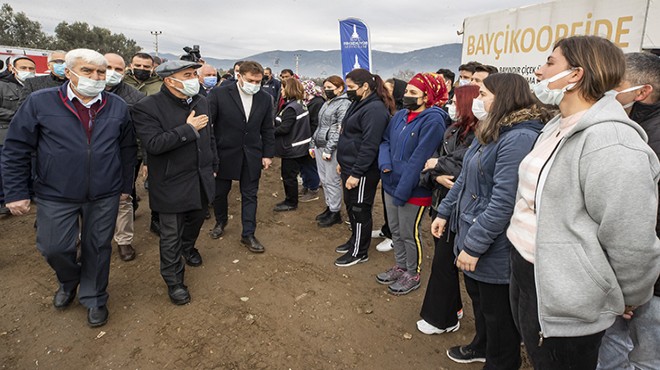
{"x":519,"y":40}
{"x":39,"y":56}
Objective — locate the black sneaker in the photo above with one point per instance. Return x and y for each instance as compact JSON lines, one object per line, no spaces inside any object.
{"x":344,"y":248}
{"x":348,"y":260}
{"x":465,"y":355}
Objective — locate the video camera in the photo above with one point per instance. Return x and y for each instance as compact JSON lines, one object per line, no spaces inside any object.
{"x":192,"y":54}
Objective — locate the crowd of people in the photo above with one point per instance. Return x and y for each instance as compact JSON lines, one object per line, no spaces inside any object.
{"x":545,"y":198}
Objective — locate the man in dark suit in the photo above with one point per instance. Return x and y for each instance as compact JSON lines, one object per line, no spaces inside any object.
{"x":173,"y":126}
{"x":242,"y":118}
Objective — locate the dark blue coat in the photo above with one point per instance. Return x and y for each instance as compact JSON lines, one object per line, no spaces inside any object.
{"x":481,"y":202}
{"x":405,"y":149}
{"x":70,"y":168}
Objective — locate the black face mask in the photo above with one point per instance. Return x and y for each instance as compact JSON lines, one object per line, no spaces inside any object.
{"x":410,"y":103}
{"x":265,"y":79}
{"x":330,"y":94}
{"x":141,"y":74}
{"x":353,"y":96}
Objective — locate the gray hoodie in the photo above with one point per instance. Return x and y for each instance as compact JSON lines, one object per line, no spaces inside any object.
{"x":596,"y":246}
{"x":331,"y":115}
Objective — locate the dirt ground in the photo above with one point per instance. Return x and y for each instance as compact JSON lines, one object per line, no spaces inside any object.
{"x":289,"y":308}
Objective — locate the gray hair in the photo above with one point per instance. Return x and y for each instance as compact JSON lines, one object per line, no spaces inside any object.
{"x":643,"y":69}
{"x":50,"y":56}
{"x":86,"y":55}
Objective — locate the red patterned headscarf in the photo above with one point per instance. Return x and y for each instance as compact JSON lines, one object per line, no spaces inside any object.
{"x":433,"y":86}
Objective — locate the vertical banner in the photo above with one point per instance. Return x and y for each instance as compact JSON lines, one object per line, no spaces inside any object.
{"x":355,"y":48}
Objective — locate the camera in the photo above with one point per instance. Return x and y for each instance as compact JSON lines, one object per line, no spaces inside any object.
{"x":192,"y":54}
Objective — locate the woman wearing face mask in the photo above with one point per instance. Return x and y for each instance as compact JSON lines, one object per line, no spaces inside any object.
{"x":480,"y":205}
{"x":442,"y":305}
{"x":357,"y":154}
{"x":292,"y":137}
{"x":584,"y":221}
{"x":411,"y":138}
{"x":323,"y":148}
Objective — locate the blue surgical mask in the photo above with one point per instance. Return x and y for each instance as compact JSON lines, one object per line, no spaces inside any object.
{"x":210,"y":81}
{"x":58,"y":69}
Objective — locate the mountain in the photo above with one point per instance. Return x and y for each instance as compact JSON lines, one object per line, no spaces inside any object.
{"x":319,"y":63}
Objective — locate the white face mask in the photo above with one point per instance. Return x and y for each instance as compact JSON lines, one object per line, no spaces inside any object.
{"x":112,"y":77}
{"x":88,"y":87}
{"x":23,"y":75}
{"x":630,"y":89}
{"x":479,"y":109}
{"x":190,"y":87}
{"x":451,"y":109}
{"x":463,"y":82}
{"x":552,"y":97}
{"x":249,"y":88}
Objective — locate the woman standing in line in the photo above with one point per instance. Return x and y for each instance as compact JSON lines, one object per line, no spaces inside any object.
{"x":480,"y":205}
{"x":357,"y":154}
{"x":583,"y":228}
{"x":323,"y":148}
{"x":442,"y":307}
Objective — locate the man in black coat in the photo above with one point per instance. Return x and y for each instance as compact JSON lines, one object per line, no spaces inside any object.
{"x":243,"y":125}
{"x":55,"y":78}
{"x":173,"y":126}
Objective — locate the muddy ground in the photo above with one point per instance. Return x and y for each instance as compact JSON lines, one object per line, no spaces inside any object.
{"x":289,"y":308}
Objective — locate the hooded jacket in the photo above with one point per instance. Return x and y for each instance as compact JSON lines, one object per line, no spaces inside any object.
{"x":405,"y":148}
{"x":361,"y":134}
{"x":331,"y":114}
{"x":482,"y":199}
{"x":596,"y":246}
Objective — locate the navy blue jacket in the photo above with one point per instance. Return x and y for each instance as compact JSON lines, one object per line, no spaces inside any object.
{"x":405,"y":149}
{"x":361,"y":133}
{"x":481,"y":202}
{"x":70,"y":168}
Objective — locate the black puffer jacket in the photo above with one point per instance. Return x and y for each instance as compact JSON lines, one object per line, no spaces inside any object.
{"x":130,"y":94}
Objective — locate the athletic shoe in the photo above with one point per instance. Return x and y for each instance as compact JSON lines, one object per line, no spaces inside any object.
{"x":390,"y":276}
{"x":311,"y":195}
{"x":465,"y":355}
{"x":459,"y":314}
{"x":348,"y":260}
{"x":407,"y":283}
{"x":385,"y":245}
{"x":344,"y":248}
{"x":377,"y":234}
{"x":429,"y":329}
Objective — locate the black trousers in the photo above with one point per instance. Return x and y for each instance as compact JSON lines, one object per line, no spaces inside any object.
{"x":290,"y":169}
{"x":574,"y":353}
{"x":178,"y":234}
{"x":496,"y":334}
{"x":386,"y":226}
{"x":359,"y":206}
{"x":443,"y":293}
{"x":249,"y":189}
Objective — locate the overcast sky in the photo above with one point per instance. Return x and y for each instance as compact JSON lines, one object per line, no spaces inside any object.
{"x":242,"y":28}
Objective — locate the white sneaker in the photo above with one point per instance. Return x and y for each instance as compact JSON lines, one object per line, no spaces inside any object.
{"x":385,"y":245}
{"x":429,"y":329}
{"x":377,"y":234}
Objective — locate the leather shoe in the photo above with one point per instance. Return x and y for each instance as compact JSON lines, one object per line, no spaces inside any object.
{"x":323,"y":214}
{"x":252,"y":244}
{"x":179,"y":294}
{"x":218,"y":230}
{"x":126,"y":252}
{"x":193,"y":258}
{"x":97,"y":316}
{"x":283,"y":207}
{"x":63,"y":299}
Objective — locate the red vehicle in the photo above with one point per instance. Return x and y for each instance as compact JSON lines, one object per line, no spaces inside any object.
{"x":39,"y":56}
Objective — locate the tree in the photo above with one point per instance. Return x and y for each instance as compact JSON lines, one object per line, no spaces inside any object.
{"x":16,"y":29}
{"x":80,"y":35}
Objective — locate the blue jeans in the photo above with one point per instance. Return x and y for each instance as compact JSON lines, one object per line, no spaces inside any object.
{"x":633,"y":344}
{"x":309,"y":174}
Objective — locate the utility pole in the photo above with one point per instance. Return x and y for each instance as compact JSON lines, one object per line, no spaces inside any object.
{"x":156,"y":33}
{"x":297,"y":63}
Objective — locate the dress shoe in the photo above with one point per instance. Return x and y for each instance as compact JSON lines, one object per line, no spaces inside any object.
{"x":252,"y":244}
{"x":4,"y":211}
{"x":323,"y":214}
{"x":193,"y":258}
{"x":63,"y":299}
{"x":97,"y":316}
{"x":218,"y":230}
{"x":332,"y":219}
{"x":179,"y":294}
{"x":283,"y":207}
{"x":155,"y":227}
{"x":126,"y":252}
